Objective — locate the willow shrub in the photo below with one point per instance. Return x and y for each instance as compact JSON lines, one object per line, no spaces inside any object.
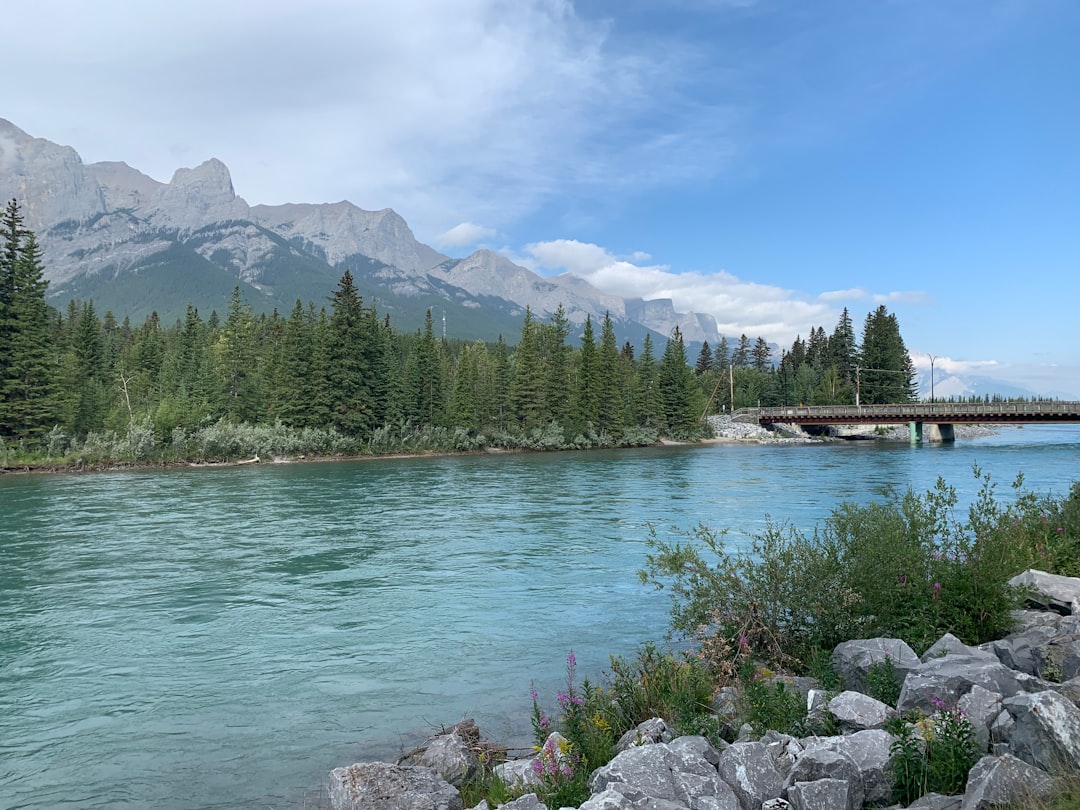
{"x":903,"y":567}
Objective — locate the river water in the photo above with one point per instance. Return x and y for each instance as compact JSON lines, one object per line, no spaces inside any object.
{"x":212,"y":638}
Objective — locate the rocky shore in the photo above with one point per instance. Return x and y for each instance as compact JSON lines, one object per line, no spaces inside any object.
{"x":1020,"y":695}
{"x":725,"y":429}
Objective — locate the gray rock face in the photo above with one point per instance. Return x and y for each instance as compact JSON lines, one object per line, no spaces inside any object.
{"x":648,"y":732}
{"x":997,"y":781}
{"x":750,"y":771}
{"x":827,"y":763}
{"x":855,"y":711}
{"x":982,"y":708}
{"x":821,"y":794}
{"x":450,"y":756}
{"x":1019,"y":651}
{"x":1050,"y":591}
{"x":1046,"y":733}
{"x":659,"y":773}
{"x":852,"y":660}
{"x":953,"y":676}
{"x":949,"y":644}
{"x":869,"y":750}
{"x":382,"y":786}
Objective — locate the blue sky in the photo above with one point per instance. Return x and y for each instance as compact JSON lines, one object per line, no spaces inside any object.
{"x":767,"y":161}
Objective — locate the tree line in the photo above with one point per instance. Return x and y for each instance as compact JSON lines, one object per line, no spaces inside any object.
{"x":342,"y":367}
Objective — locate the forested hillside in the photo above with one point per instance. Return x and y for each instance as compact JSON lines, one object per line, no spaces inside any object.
{"x":335,"y":377}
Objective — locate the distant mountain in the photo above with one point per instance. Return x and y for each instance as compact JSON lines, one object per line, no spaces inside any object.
{"x":134,"y":245}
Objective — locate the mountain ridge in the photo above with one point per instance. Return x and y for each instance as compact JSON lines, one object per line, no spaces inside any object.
{"x":113,"y":234}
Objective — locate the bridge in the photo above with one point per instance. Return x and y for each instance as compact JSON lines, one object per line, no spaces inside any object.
{"x":938,"y":417}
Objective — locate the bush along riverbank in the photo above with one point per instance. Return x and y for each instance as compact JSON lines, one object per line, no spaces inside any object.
{"x":892,"y":658}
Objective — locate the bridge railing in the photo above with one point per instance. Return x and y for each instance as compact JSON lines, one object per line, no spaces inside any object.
{"x":920,"y":411}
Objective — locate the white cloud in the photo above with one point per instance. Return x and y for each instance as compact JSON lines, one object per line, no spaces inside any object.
{"x":477,"y":110}
{"x":465,"y":233}
{"x":740,"y":307}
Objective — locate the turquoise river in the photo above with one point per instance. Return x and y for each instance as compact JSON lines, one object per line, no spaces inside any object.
{"x":224,"y":637}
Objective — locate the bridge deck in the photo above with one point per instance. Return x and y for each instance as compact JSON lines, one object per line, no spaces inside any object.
{"x":1001,"y":413}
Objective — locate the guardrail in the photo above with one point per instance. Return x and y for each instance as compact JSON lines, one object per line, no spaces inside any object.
{"x":941,"y":412}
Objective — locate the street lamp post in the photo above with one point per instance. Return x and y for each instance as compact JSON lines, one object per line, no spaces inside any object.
{"x":932,"y":359}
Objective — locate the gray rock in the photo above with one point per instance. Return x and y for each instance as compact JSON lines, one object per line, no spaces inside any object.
{"x":852,"y":660}
{"x":1018,"y":651}
{"x":654,"y":730}
{"x":855,"y":711}
{"x":775,"y":804}
{"x":821,"y":794}
{"x":949,"y":644}
{"x":1049,"y":591}
{"x":1047,"y":731}
{"x":530,"y":801}
{"x":693,"y":750}
{"x":820,"y":762}
{"x":1070,"y":689}
{"x":517,"y":773}
{"x":450,"y":756}
{"x":981,"y":707}
{"x":783,"y":748}
{"x":382,"y":786}
{"x":750,"y":771}
{"x":1026,"y":619}
{"x":999,"y":780}
{"x":869,"y":750}
{"x":657,"y":772}
{"x":1002,"y":727}
{"x":950,"y":678}
{"x":936,"y":801}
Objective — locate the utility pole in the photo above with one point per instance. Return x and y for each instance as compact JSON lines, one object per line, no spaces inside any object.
{"x":932,"y":359}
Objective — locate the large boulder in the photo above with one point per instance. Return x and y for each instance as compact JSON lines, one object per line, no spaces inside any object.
{"x":382,"y":786}
{"x":654,"y":730}
{"x":869,"y":750}
{"x":981,"y":707}
{"x":1049,"y":591}
{"x":852,"y":660}
{"x":1019,"y":651}
{"x":749,"y":770}
{"x":451,"y":755}
{"x":855,"y":711}
{"x":821,"y":794}
{"x":1046,"y":733}
{"x":949,"y":644}
{"x":821,"y":762}
{"x":950,"y":678}
{"x":1005,"y":780}
{"x":660,"y":773}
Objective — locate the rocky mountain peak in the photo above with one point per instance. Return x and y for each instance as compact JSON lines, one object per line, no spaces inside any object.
{"x":197,"y":197}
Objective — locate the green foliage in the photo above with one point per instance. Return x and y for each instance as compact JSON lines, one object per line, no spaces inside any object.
{"x":903,"y":567}
{"x":883,"y":683}
{"x":932,"y":754}
{"x":769,"y":704}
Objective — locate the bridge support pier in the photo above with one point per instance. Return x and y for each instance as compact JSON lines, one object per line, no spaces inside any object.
{"x":932,"y":432}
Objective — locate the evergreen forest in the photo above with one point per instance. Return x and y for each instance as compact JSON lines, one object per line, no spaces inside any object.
{"x":335,"y":378}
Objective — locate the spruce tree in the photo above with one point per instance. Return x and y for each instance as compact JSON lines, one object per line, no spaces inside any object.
{"x":527,"y":385}
{"x":347,"y":362}
{"x":679,"y":393}
{"x":762,"y":355}
{"x":28,"y":404}
{"x":704,"y":359}
{"x":886,"y":373}
{"x":610,"y":405}
{"x":587,"y":390}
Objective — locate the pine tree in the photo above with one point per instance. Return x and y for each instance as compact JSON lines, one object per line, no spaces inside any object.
{"x":886,"y":373}
{"x":740,"y":358}
{"x":762,"y":355}
{"x":28,"y":404}
{"x":423,"y":371}
{"x":679,"y":392}
{"x":557,"y":358}
{"x":722,"y":355}
{"x":649,"y":406}
{"x":843,"y":351}
{"x":609,"y":376}
{"x":347,"y":360}
{"x":587,"y":390}
{"x":704,"y":359}
{"x":527,"y":386}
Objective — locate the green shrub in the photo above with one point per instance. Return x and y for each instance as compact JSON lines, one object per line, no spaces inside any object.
{"x":932,"y":754}
{"x":903,"y":567}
